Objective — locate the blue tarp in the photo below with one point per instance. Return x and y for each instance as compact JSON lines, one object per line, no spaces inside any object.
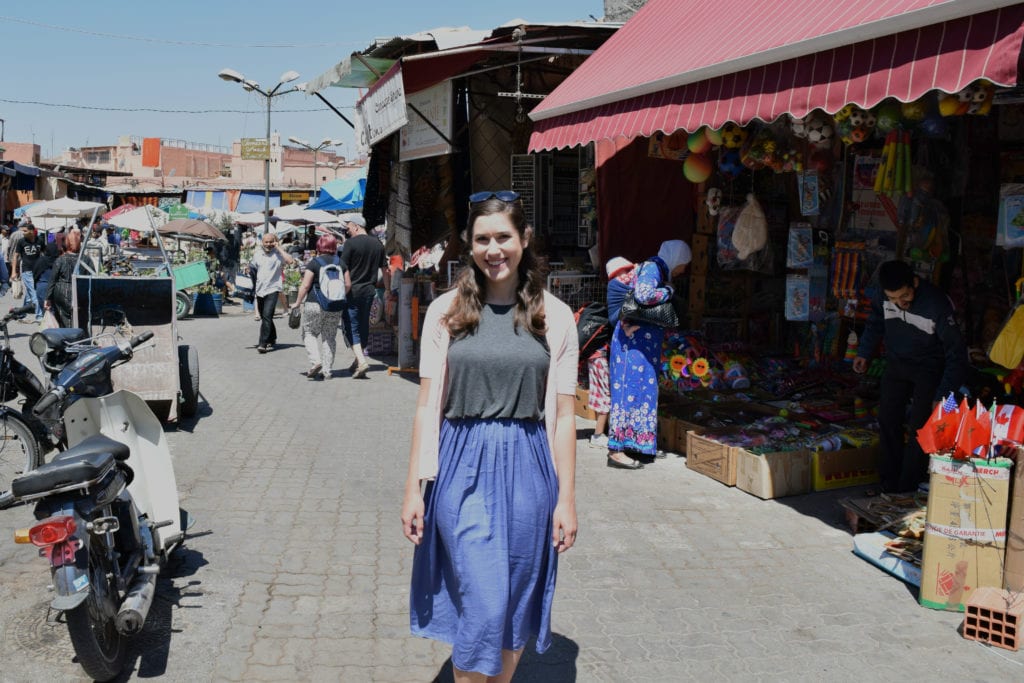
{"x":20,"y":211}
{"x":252,"y":202}
{"x":341,"y":195}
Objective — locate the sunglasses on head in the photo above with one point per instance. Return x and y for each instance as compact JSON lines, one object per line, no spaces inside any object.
{"x":503,"y":195}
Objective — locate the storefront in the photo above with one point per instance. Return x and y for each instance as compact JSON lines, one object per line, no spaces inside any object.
{"x":795,"y":159}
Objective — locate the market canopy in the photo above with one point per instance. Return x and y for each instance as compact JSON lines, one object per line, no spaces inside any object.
{"x":139,"y":218}
{"x":65,"y":207}
{"x":192,"y":228}
{"x":674,"y":66}
{"x":343,"y":194}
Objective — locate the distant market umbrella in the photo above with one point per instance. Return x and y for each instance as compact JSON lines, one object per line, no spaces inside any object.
{"x":191,"y":227}
{"x":124,"y":208}
{"x":20,"y":211}
{"x":139,"y":218}
{"x":343,"y":194}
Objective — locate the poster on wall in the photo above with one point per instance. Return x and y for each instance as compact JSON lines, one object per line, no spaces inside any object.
{"x":420,"y":139}
{"x":1010,"y":232}
{"x":875,"y":212}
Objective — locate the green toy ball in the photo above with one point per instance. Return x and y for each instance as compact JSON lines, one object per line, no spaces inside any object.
{"x":698,"y":142}
{"x":888,"y":117}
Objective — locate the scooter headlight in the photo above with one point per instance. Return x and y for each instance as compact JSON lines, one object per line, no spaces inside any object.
{"x":38,"y":345}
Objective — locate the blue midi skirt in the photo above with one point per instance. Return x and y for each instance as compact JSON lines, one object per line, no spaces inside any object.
{"x":483,"y":576}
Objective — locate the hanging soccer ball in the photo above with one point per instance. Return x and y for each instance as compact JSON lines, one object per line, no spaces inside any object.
{"x":797,"y":126}
{"x":820,"y":132}
{"x":733,"y":136}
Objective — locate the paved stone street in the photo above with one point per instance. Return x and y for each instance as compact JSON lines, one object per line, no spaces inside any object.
{"x":296,"y":569}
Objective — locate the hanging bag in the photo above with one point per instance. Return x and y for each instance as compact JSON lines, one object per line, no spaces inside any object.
{"x":658,"y":315}
{"x":295,"y":317}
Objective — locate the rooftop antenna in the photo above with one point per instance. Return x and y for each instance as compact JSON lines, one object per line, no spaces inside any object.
{"x":518,"y":94}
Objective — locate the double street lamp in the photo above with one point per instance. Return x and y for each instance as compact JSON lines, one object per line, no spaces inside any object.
{"x":269,"y":95}
{"x":315,"y":149}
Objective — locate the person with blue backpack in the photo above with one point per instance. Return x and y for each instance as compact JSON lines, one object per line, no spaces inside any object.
{"x":322,"y":296}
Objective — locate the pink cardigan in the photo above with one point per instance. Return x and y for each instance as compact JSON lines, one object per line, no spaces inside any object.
{"x":562,"y":339}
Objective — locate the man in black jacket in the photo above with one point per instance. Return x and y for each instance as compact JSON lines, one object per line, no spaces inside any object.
{"x":926,"y":360}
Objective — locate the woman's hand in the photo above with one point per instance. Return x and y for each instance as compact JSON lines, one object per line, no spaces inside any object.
{"x":412,"y":516}
{"x":46,"y":304}
{"x":563,"y":528}
{"x":629,"y":329}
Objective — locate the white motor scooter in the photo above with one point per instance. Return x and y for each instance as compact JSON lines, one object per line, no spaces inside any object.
{"x":107,"y":506}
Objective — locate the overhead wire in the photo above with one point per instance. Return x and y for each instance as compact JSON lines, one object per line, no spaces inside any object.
{"x":163,"y":111}
{"x":165,"y":41}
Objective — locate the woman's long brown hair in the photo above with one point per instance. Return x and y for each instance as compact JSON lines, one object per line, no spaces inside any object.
{"x":471,"y":285}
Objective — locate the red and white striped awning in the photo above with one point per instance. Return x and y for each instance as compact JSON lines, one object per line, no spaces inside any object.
{"x":667,"y":69}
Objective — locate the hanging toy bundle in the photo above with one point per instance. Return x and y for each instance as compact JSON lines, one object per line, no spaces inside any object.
{"x":893,"y":175}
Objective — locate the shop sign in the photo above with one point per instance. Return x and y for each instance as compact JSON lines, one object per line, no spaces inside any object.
{"x":383,"y":110}
{"x":294,"y":196}
{"x":255,"y":148}
{"x":177,"y":211}
{"x":419,"y":140}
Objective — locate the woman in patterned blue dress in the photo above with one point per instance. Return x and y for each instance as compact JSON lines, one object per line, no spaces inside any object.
{"x":636,"y":356}
{"x":495,"y":437}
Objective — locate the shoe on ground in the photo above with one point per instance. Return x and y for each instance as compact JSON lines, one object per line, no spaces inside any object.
{"x":599,"y":441}
{"x":360,"y":371}
{"x":313,"y":371}
{"x":261,"y":349}
{"x":631,"y":465}
{"x":660,"y":454}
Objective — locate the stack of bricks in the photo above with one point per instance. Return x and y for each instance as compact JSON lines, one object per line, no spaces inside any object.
{"x":993,"y":616}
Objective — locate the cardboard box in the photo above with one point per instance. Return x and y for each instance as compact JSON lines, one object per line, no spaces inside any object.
{"x":582,"y":410}
{"x":846,"y":467}
{"x":773,"y":475}
{"x":711,"y":458}
{"x":1013,"y":569}
{"x":965,"y":530}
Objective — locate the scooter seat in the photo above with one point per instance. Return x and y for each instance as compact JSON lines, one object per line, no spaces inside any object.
{"x":84,"y":463}
{"x":56,"y":338}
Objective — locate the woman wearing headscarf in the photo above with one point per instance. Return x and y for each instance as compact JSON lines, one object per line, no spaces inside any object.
{"x":635,"y":356}
{"x":58,"y":291}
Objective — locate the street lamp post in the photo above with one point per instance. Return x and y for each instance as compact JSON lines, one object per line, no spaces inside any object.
{"x":247,"y":85}
{"x":326,"y":142}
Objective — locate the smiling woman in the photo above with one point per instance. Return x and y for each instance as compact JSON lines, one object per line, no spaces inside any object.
{"x":495,"y":438}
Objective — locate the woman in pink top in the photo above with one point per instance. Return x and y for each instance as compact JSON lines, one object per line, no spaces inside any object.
{"x":495,"y":438}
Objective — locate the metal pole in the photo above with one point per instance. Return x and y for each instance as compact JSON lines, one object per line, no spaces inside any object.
{"x":266,"y":167}
{"x":313,"y":190}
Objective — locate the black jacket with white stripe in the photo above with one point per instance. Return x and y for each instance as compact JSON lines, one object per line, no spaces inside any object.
{"x":926,"y":336}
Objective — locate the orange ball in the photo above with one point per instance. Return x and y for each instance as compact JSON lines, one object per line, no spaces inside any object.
{"x":697,"y":168}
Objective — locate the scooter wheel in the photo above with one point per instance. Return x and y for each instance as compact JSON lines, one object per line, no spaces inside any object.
{"x":100,"y":648}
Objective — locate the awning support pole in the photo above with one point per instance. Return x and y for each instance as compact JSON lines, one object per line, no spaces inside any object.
{"x":335,"y":110}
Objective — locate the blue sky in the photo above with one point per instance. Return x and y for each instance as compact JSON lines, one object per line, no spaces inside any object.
{"x":72,"y":65}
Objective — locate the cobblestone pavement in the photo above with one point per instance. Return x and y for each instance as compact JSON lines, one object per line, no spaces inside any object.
{"x":296,"y":569}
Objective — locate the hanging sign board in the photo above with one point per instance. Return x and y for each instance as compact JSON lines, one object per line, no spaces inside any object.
{"x":875,"y":212}
{"x":419,"y":140}
{"x":255,"y":148}
{"x":175,"y":211}
{"x":383,"y":110}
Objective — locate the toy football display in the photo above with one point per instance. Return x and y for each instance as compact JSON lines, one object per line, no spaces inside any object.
{"x":733,"y":136}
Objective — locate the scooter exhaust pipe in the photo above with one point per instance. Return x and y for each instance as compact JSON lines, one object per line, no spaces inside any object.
{"x":132,"y":615}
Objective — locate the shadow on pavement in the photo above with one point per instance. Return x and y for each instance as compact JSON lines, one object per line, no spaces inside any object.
{"x":148,"y":651}
{"x":557,"y":665}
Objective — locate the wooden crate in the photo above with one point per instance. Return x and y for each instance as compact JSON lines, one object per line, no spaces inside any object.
{"x":582,"y":409}
{"x":711,"y":458}
{"x":773,"y":475}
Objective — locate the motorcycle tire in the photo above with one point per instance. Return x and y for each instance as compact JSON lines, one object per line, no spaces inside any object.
{"x":183,"y":304}
{"x":100,"y":648}
{"x":19,"y":450}
{"x":188,"y":375}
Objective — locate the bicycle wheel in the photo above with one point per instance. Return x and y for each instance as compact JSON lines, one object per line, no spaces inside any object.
{"x":19,"y":452}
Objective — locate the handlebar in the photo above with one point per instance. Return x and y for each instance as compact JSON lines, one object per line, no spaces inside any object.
{"x":141,"y":338}
{"x":20,"y":311}
{"x":47,"y":400}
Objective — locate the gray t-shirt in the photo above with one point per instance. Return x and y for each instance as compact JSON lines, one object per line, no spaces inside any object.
{"x":497,"y":372}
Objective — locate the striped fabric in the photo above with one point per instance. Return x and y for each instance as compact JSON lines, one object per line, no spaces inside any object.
{"x":613,"y":94}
